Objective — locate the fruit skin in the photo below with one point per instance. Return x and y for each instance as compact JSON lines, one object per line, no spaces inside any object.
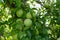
{"x":58,"y":38}
{"x":28,"y":15}
{"x":14,"y":37}
{"x":19,"y":13}
{"x":27,"y":22}
{"x":19,"y":24}
{"x":19,"y":20}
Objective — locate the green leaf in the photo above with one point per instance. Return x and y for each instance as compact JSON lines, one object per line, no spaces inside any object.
{"x":18,"y":3}
{"x":21,"y":35}
{"x":11,"y":1}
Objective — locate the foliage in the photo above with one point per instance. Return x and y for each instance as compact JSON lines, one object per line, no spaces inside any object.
{"x":29,"y":19}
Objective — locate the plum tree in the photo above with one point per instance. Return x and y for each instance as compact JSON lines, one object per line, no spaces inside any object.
{"x":29,"y":19}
